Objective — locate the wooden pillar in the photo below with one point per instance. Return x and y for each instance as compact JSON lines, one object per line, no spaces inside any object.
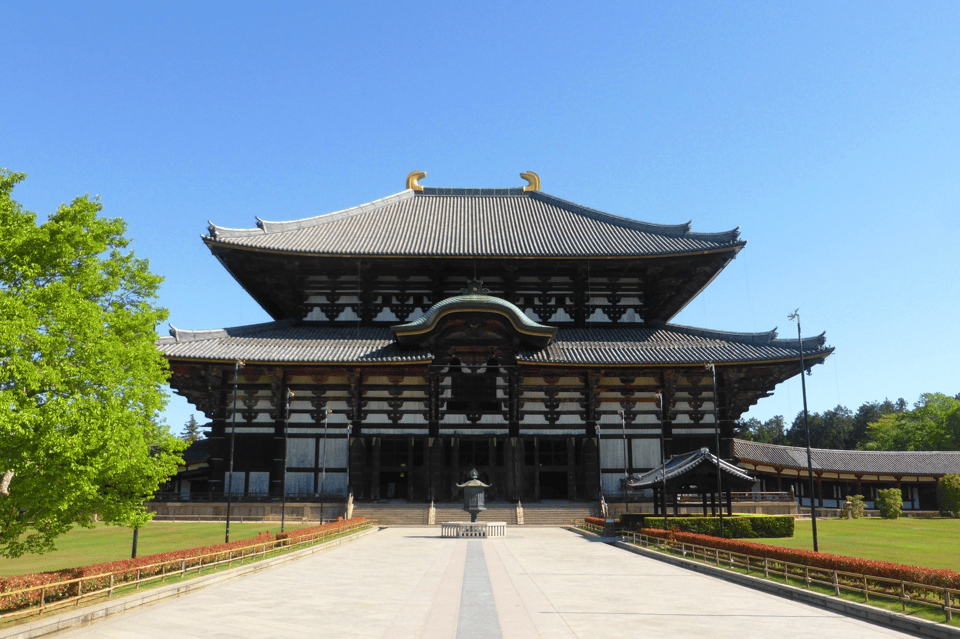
{"x":536,"y":468}
{"x":375,"y":468}
{"x":729,"y":504}
{"x":513,"y":401}
{"x":454,"y":466}
{"x":358,"y":461}
{"x":409,"y":472}
{"x":433,"y":402}
{"x":571,"y":468}
{"x":278,"y":403}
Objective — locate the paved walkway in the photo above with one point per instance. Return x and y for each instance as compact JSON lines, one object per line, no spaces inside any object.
{"x":537,"y":582}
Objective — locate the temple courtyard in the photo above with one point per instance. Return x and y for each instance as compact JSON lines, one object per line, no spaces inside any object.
{"x":535,"y":582}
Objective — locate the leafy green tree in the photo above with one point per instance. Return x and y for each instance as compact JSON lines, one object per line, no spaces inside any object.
{"x":948,"y":495}
{"x":890,"y":502}
{"x":81,"y":382}
{"x":829,"y":429}
{"x":768,"y":432}
{"x":191,"y":431}
{"x":932,"y":424}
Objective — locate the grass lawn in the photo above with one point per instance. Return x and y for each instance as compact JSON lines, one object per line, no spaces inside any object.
{"x":931,"y":543}
{"x":85,"y":546}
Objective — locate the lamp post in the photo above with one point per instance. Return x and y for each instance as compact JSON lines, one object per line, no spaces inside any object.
{"x":716,"y":430}
{"x":237,"y":365}
{"x":806,"y":422}
{"x":663,"y":458}
{"x":626,"y":474}
{"x":323,"y":460}
{"x":286,"y":449}
{"x":596,"y":428}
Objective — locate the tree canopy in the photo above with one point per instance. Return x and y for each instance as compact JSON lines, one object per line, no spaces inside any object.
{"x":191,"y":430}
{"x":932,"y":424}
{"x":81,"y":382}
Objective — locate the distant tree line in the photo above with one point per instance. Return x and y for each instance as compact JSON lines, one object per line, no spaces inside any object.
{"x":932,"y":424}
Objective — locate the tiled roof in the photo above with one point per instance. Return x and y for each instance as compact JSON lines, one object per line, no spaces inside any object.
{"x":660,"y":344}
{"x":282,"y":342}
{"x":849,"y":461}
{"x":680,"y":465}
{"x":472,"y":222}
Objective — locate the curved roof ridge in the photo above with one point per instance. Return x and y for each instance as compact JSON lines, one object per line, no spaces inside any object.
{"x":670,"y":230}
{"x":266,"y":227}
{"x":180,"y":335}
{"x":817,"y":340}
{"x":758,"y":339}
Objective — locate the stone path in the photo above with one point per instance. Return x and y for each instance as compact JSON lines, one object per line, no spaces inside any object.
{"x":536,"y":582}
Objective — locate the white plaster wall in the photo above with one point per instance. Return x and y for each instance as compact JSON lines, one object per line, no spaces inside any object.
{"x":233,"y":483}
{"x":646,"y":453}
{"x":611,"y":453}
{"x":301,"y":453}
{"x":299,"y":483}
{"x":259,"y":483}
{"x":336,"y":453}
{"x":334,"y":484}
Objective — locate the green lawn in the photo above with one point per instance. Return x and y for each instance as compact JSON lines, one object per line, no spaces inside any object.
{"x":932,"y":543}
{"x":83,"y":546}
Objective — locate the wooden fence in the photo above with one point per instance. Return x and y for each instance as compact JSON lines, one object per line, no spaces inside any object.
{"x":837,"y":582}
{"x":61,"y":594}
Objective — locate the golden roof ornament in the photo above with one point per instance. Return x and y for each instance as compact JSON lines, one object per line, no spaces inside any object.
{"x":412,"y":179}
{"x":533,"y":181}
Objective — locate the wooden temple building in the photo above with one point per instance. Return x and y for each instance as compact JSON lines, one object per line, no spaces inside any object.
{"x":438,"y":330}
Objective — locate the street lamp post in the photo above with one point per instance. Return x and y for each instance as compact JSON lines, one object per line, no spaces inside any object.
{"x":716,"y":430}
{"x":286,"y":449}
{"x":806,"y":422}
{"x":237,"y":365}
{"x":596,"y":428}
{"x":663,"y":458}
{"x":626,"y":473}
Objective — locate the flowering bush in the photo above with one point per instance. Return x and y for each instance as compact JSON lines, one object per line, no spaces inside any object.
{"x":926,"y":576}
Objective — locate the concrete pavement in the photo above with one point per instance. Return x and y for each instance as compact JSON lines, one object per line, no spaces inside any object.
{"x":543,"y":582}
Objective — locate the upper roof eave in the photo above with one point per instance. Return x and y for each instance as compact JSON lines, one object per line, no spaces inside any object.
{"x":676,"y":239}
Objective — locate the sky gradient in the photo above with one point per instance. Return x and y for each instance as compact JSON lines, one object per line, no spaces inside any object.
{"x":828,"y":132}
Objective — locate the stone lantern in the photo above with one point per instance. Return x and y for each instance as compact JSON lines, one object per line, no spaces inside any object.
{"x":473,"y":495}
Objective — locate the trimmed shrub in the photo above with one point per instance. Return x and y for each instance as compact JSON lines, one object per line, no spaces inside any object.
{"x":948,"y":495}
{"x":856,"y":506}
{"x":890,"y":502}
{"x":736,"y":527}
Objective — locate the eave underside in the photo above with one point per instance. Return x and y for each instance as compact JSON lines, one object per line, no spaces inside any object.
{"x":284,"y":284}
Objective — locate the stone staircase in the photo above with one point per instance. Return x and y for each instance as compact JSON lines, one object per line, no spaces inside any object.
{"x":545,"y":513}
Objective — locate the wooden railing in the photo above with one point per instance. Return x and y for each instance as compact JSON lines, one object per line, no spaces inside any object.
{"x":945,"y":600}
{"x":60,"y":594}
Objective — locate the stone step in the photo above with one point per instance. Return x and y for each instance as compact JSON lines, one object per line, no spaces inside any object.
{"x":535,"y":514}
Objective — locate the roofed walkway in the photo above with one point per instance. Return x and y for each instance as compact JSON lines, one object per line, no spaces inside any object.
{"x":536,"y":582}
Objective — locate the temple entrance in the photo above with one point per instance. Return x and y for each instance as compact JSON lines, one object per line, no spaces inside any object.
{"x":553,"y":484}
{"x":393,"y":485}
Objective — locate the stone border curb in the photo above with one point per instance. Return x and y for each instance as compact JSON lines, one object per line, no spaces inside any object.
{"x":866,"y":612}
{"x":89,"y":614}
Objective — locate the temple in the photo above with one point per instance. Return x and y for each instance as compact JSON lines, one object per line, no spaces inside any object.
{"x":438,"y":330}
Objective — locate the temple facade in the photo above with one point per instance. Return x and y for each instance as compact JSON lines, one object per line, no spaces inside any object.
{"x":438,"y":330}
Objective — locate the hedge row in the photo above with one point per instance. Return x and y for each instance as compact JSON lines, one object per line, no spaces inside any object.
{"x":97,"y":576}
{"x":926,"y":576}
{"x":736,"y":527}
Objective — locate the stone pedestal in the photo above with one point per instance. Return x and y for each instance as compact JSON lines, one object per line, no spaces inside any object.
{"x":473,"y":529}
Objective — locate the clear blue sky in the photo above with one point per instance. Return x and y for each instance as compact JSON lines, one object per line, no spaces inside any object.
{"x":828,"y":132}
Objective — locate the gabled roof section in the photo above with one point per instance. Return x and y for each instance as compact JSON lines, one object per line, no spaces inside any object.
{"x":454,"y":222}
{"x":531,"y":332}
{"x":679,"y":466}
